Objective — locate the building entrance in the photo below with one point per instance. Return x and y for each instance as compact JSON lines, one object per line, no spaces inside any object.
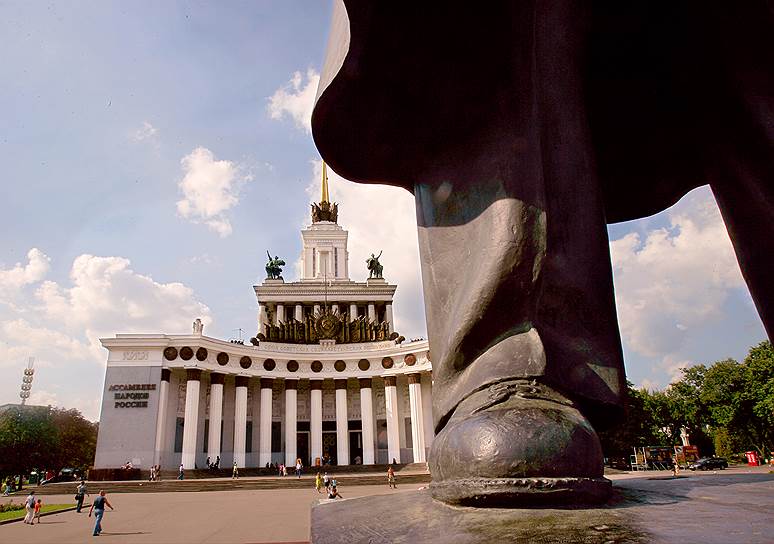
{"x":329,"y":446}
{"x":302,"y":447}
{"x":356,"y":447}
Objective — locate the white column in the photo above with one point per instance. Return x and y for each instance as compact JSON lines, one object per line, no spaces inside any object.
{"x":342,"y":423}
{"x":261,"y":317}
{"x":161,"y":417}
{"x":291,"y":416}
{"x":240,"y":420}
{"x":388,"y":316}
{"x":417,"y":418}
{"x":391,"y":409}
{"x":367,"y":419}
{"x":264,"y":454}
{"x":315,"y":425}
{"x":335,"y":308}
{"x":280,"y":313}
{"x":216,"y":416}
{"x":299,"y":312}
{"x":371,"y":312}
{"x":192,"y":388}
{"x":352,"y":312}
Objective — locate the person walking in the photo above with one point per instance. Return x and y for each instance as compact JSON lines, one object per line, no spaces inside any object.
{"x":29,"y":507}
{"x":318,"y":482}
{"x":98,"y":507}
{"x":391,"y":478}
{"x":180,"y":472}
{"x":235,"y":472}
{"x":80,"y":493}
{"x":36,"y":515}
{"x":299,"y":467}
{"x":326,"y":481}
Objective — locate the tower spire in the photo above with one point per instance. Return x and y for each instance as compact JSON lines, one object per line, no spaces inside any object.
{"x":324,"y":183}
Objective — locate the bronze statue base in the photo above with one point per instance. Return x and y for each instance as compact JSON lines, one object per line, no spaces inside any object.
{"x":517,"y":442}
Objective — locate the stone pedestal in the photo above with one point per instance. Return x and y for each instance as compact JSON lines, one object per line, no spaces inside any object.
{"x":413,"y":516}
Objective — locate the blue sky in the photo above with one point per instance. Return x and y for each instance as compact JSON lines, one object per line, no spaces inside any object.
{"x":153,"y":151}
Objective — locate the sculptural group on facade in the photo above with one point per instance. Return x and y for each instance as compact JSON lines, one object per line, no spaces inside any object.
{"x":274,"y":267}
{"x":326,"y":325}
{"x":375,"y":268}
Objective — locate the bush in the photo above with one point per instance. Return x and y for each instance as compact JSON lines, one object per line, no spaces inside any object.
{"x":11,"y":507}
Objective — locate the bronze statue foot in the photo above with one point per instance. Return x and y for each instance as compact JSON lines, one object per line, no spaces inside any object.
{"x":517,"y":443}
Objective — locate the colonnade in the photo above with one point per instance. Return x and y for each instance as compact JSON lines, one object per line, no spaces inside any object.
{"x":191,"y":414}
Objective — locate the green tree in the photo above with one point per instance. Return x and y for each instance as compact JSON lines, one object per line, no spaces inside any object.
{"x":757,"y":397}
{"x":76,"y":439}
{"x":28,"y":439}
{"x":45,"y":438}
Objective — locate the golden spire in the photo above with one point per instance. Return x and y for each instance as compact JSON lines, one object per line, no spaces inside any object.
{"x":324,"y":183}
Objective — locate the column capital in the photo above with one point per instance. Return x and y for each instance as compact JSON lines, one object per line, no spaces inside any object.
{"x":217,"y":378}
{"x":166,"y":374}
{"x":266,"y":383}
{"x":365,"y":383}
{"x":242,"y":381}
{"x":340,"y":384}
{"x":390,"y":381}
{"x":194,"y":374}
{"x":315,"y":385}
{"x":291,"y":384}
{"x":414,"y":377}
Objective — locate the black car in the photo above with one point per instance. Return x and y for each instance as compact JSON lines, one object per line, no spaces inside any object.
{"x":709,"y":463}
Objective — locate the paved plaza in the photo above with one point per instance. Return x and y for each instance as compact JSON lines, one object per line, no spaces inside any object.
{"x":728,"y":506}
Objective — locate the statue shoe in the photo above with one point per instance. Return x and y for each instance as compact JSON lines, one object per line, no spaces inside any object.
{"x":517,"y":443}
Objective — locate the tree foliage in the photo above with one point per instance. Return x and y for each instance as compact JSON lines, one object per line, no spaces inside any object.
{"x":45,"y":438}
{"x":727,"y":406}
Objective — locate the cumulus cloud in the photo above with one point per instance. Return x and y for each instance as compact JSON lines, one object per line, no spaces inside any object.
{"x":295,"y":99}
{"x":107,"y":296}
{"x":394,"y":232}
{"x":63,"y":321}
{"x":671,"y":281}
{"x":36,"y":268}
{"x":210,"y":189}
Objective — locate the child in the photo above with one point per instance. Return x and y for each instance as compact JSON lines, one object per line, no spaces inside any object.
{"x":334,"y":494}
{"x":326,"y":481}
{"x":38,"y":506}
{"x":391,"y":478}
{"x":318,"y":482}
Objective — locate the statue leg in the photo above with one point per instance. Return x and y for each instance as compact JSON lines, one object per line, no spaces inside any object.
{"x":519,"y":303}
{"x":742,"y":178}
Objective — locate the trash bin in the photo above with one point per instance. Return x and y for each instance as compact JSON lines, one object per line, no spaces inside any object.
{"x":33,"y":479}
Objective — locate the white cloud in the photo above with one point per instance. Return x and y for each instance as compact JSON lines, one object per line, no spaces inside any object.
{"x":673,"y":280}
{"x":62,"y":325}
{"x":392,"y":230}
{"x":107,"y":296}
{"x":210,"y":188}
{"x":145,"y":132}
{"x":296,"y":99}
{"x":20,"y":275}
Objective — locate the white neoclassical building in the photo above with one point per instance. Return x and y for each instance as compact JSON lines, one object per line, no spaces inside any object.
{"x":326,"y":378}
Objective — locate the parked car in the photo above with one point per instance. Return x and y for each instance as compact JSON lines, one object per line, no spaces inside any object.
{"x":709,"y":463}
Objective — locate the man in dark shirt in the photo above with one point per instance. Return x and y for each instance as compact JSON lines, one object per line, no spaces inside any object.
{"x":98,"y":507}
